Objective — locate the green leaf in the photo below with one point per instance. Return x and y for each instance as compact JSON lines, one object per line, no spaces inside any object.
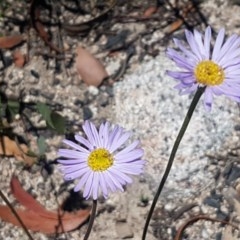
{"x":13,"y":107}
{"x":45,"y":111}
{"x":42,"y":146}
{"x":59,"y":122}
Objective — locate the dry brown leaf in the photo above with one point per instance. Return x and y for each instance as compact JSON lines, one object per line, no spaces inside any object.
{"x":9,"y":147}
{"x":11,"y":41}
{"x":48,"y":225}
{"x":89,"y":68}
{"x":24,"y":197}
{"x":35,"y":13}
{"x":19,"y":59}
{"x":36,"y":218}
{"x":150,"y":11}
{"x":178,"y":23}
{"x":45,"y":36}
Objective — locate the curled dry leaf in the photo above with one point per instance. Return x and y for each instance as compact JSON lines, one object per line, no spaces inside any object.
{"x":179,"y":22}
{"x":11,"y":41}
{"x":19,"y":59}
{"x":35,"y":12}
{"x":37,"y":218}
{"x":9,"y":147}
{"x":150,"y":11}
{"x":89,"y":68}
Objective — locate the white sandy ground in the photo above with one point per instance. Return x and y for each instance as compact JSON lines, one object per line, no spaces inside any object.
{"x":147,"y":103}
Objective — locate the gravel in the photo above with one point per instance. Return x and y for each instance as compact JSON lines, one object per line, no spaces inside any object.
{"x":204,"y":178}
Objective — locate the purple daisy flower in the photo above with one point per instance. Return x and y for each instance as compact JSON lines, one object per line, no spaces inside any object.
{"x":215,"y":67}
{"x":99,"y":162}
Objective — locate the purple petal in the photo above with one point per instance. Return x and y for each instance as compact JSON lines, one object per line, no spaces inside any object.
{"x":130,"y":156}
{"x":218,"y":44}
{"x":181,"y":61}
{"x":199,"y":41}
{"x":191,"y":89}
{"x":76,"y":146}
{"x":71,"y":153}
{"x":88,"y":187}
{"x":84,"y":141}
{"x":95,"y":134}
{"x":188,"y":53}
{"x":115,"y":133}
{"x":208,"y":99}
{"x":88,"y":131}
{"x":193,"y":45}
{"x":72,"y":161}
{"x":228,"y":47}
{"x":103,"y":185}
{"x":117,"y":142}
{"x":129,"y":148}
{"x":82,"y":181}
{"x":123,"y":177}
{"x":207,"y":41}
{"x":105,"y":135}
{"x":70,"y":174}
{"x":132,"y":170}
{"x":114,"y":181}
{"x":95,"y":185}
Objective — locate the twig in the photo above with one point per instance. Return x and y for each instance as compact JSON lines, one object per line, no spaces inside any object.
{"x":195,"y":219}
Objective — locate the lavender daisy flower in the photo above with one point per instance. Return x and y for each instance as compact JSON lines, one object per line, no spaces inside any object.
{"x":217,"y":68}
{"x":99,"y":162}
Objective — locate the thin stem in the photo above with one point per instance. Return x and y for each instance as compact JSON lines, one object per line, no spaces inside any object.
{"x":172,"y":156}
{"x":16,"y":215}
{"x":91,"y":220}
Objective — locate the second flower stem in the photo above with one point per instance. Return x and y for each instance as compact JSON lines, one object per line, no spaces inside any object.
{"x":186,"y":121}
{"x":91,"y":220}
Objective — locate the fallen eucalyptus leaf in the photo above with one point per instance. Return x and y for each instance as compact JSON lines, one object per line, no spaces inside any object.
{"x":11,"y":41}
{"x":89,"y":68}
{"x":36,"y":218}
{"x":9,"y":147}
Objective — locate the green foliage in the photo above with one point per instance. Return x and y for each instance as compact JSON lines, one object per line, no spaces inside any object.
{"x":42,"y":146}
{"x":59,"y":122}
{"x":144,"y":200}
{"x":13,"y":107}
{"x":45,"y":111}
{"x":53,"y":120}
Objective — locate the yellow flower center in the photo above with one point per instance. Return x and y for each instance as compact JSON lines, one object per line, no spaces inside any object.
{"x":100,"y":160}
{"x":209,"y":73}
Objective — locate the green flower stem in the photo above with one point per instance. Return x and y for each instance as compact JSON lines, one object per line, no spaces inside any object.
{"x":16,"y":215}
{"x":172,"y":156}
{"x":91,"y":220}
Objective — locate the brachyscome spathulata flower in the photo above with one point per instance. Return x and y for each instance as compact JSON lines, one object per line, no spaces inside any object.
{"x":216,"y":67}
{"x":99,"y":161}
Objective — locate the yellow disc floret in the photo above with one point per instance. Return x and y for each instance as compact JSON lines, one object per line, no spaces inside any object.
{"x":209,"y":73}
{"x":100,"y":159}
